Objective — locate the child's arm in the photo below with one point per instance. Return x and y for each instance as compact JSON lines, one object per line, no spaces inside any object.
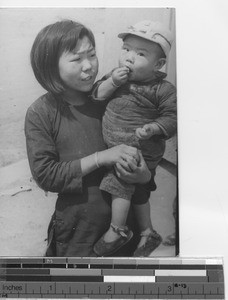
{"x":148,"y":131}
{"x":118,"y":77}
{"x":166,"y":124}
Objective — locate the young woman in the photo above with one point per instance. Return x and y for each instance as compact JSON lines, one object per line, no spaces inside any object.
{"x":64,"y":140}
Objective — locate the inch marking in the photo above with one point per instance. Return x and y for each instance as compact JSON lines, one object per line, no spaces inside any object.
{"x":114,"y":289}
{"x":94,"y":278}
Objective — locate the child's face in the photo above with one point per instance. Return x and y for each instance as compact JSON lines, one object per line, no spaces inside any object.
{"x":78,"y":69}
{"x":141,"y":57}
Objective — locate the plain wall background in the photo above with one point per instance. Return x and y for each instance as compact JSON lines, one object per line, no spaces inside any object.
{"x":18,"y":29}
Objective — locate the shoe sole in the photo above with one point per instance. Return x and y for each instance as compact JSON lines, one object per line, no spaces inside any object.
{"x":138,"y":255}
{"x":111,"y":252}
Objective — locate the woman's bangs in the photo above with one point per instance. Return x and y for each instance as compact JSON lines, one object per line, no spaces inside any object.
{"x":70,"y":41}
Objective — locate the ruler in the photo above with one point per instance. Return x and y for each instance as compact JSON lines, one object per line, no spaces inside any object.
{"x":117,"y":278}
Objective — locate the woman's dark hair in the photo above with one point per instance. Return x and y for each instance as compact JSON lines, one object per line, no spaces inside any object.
{"x":49,"y":45}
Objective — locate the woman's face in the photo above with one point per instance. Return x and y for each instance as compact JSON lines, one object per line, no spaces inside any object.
{"x":78,"y":69}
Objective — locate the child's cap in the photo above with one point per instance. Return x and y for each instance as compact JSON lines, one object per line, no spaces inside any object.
{"x":152,"y":31}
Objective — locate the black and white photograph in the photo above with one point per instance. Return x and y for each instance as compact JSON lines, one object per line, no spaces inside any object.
{"x":88,"y":128}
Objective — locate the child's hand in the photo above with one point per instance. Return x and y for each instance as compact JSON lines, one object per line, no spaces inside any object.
{"x":120,"y":76}
{"x":145,"y":132}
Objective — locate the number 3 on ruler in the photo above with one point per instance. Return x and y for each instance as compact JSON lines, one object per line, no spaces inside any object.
{"x":169,"y":288}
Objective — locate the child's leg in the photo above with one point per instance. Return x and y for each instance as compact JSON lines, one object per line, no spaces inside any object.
{"x":143,"y":217}
{"x":120,"y":209}
{"x":118,"y":234}
{"x":150,"y":239}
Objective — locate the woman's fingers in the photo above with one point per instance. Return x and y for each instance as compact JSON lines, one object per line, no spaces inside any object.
{"x":122,"y":154}
{"x":125,"y":165}
{"x":132,"y":160}
{"x":120,"y":170}
{"x":139,"y":174}
{"x":123,"y":174}
{"x":132,"y":151}
{"x":128,"y":164}
{"x":132,"y":165}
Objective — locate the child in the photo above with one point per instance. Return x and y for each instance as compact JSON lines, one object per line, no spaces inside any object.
{"x":141,"y":113}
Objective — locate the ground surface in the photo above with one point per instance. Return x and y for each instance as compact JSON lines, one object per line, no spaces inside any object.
{"x":25,"y":211}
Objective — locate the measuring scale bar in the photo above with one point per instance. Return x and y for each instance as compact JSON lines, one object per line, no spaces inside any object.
{"x":113,"y":278}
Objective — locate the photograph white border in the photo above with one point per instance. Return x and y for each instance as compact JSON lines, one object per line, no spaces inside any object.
{"x":202,"y":119}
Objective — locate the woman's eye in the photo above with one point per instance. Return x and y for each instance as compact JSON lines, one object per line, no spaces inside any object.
{"x":77,"y":59}
{"x":141,"y":54}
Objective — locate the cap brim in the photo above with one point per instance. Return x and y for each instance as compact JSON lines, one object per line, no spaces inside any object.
{"x":123,"y":35}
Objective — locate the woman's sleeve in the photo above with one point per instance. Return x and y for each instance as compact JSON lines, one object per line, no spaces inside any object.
{"x":96,"y":85}
{"x":49,"y":173}
{"x":167,"y":107}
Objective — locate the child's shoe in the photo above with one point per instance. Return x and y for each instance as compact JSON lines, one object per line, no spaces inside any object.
{"x":153,"y":240}
{"x":170,"y":240}
{"x":102,"y":248}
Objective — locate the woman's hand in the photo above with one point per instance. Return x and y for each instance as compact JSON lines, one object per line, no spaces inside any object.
{"x":139,"y":172}
{"x":127,"y":156}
